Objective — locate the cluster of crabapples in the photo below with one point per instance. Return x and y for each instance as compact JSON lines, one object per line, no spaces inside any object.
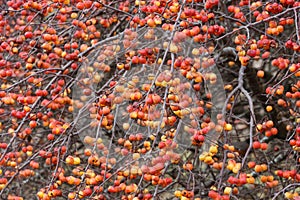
{"x":185,"y":194}
{"x":292,"y":45}
{"x":256,"y":48}
{"x":268,"y":128}
{"x":153,"y":172}
{"x":279,"y":92}
{"x":295,"y":143}
{"x":242,"y":179}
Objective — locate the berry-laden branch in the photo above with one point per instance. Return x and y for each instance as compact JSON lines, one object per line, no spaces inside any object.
{"x":252,"y":116}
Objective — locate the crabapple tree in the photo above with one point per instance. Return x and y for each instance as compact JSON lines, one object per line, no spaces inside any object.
{"x":140,"y":100}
